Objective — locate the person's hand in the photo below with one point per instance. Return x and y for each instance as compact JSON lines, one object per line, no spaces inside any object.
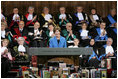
{"x":65,"y":19}
{"x":6,"y":51}
{"x":7,"y":33}
{"x":62,"y":19}
{"x":83,"y":21}
{"x":41,"y":31}
{"x":112,"y":54}
{"x":108,"y":54}
{"x":87,"y":37}
{"x":113,"y":25}
{"x":71,"y":32}
{"x":34,"y":18}
{"x":18,"y":18}
{"x":104,"y":32}
{"x":93,"y":57}
{"x":69,"y":35}
{"x":3,"y":19}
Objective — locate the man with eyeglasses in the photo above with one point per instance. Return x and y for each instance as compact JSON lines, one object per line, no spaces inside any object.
{"x":100,"y":33}
{"x":63,"y":18}
{"x":79,"y":17}
{"x":68,"y":33}
{"x":21,"y":31}
{"x":37,"y":36}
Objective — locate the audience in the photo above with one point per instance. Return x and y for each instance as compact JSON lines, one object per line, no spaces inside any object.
{"x":72,"y":32}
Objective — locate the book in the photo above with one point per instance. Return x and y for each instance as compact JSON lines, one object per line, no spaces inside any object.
{"x":92,"y":71}
{"x":97,"y":74}
{"x":103,"y":74}
{"x":66,"y":71}
{"x":75,"y":75}
{"x":62,"y":65}
{"x":46,"y":74}
{"x":64,"y":76}
{"x":25,"y":74}
{"x":85,"y":73}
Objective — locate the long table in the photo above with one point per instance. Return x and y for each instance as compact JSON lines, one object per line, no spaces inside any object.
{"x":59,"y":51}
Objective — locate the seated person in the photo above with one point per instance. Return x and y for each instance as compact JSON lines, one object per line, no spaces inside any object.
{"x":79,"y":17}
{"x":57,"y":41}
{"x":30,"y":17}
{"x":100,"y":33}
{"x":4,"y":49}
{"x":50,"y":32}
{"x":37,"y":36}
{"x":68,"y":32}
{"x":14,"y":18}
{"x":3,"y":19}
{"x":63,"y":18}
{"x":84,"y":35}
{"x":107,"y":50}
{"x":93,"y":59}
{"x":111,"y":18}
{"x":21,"y":31}
{"x":5,"y":33}
{"x":95,"y":19}
{"x":6,"y":57}
{"x":46,"y":15}
{"x":76,"y":44}
{"x":20,"y":50}
{"x":112,"y":32}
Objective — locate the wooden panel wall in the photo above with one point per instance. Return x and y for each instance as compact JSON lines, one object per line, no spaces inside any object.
{"x":102,"y":7}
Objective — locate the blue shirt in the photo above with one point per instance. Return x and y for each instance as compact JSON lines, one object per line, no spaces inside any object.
{"x":54,"y":43}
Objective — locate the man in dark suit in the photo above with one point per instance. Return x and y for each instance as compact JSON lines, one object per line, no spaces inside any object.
{"x":21,"y":31}
{"x":37,"y":36}
{"x":79,"y":17}
{"x":14,"y":18}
